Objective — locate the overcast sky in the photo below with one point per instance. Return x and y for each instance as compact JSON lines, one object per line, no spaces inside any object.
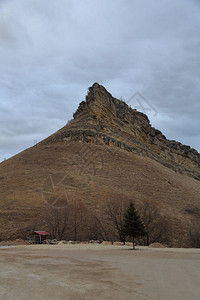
{"x":52,"y":51}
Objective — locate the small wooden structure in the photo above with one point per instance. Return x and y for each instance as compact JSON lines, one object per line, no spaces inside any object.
{"x":37,"y":237}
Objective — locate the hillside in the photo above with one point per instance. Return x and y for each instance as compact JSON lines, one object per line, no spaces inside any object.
{"x":107,"y":149}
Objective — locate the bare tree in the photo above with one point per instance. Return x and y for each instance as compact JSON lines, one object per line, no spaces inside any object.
{"x":77,"y":213}
{"x":194,"y":234}
{"x":106,"y":221}
{"x":113,"y":212}
{"x":57,"y":220}
{"x":99,"y":227}
{"x":157,"y":226}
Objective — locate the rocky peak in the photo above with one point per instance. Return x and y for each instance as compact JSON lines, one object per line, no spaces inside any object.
{"x":103,"y":119}
{"x":102,"y":106}
{"x":98,"y":101}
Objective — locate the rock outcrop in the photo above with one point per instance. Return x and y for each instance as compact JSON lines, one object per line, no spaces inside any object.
{"x":104,"y":120}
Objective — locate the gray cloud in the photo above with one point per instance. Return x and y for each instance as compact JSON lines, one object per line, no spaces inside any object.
{"x":51,"y":53}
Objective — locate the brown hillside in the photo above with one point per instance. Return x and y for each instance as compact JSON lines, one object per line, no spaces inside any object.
{"x":108,"y":148}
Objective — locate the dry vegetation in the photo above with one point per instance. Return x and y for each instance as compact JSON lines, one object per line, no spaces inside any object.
{"x":79,"y":223}
{"x":89,"y":168}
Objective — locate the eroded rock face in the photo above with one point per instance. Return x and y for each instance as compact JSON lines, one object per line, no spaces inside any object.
{"x":103,"y":119}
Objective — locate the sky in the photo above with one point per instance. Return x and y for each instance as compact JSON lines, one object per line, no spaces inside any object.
{"x":145,"y":52}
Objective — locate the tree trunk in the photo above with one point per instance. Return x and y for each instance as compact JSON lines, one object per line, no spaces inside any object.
{"x":133,"y":244}
{"x":122,"y":239}
{"x":147,"y":240}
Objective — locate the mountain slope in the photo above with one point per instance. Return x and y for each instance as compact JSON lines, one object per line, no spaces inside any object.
{"x":108,"y":148}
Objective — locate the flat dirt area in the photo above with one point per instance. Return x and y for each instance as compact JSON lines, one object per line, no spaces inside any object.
{"x":93,"y":271}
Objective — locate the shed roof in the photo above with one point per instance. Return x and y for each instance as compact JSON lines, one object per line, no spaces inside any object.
{"x":41,"y":232}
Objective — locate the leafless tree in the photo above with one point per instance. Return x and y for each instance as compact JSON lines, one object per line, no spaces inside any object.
{"x":156,"y":224}
{"x":77,"y":214}
{"x":98,"y":227}
{"x":113,"y":215}
{"x":57,"y":220}
{"x":194,"y":234}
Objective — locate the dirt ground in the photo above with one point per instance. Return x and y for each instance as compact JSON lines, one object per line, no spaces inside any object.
{"x":103,"y":272}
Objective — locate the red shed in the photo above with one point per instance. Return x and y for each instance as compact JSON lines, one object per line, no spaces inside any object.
{"x":37,"y":237}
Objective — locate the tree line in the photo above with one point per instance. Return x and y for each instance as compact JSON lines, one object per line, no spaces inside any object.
{"x":111,"y":221}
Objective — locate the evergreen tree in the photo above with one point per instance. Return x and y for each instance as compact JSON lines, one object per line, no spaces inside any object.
{"x":132,"y":225}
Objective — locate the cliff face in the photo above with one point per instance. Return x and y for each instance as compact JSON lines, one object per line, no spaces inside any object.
{"x":107,"y":149}
{"x":105,"y":120}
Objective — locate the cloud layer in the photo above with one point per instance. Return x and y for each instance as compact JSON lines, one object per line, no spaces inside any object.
{"x":52,"y":51}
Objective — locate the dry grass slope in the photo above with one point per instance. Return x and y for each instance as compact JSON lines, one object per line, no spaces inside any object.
{"x":97,"y":154}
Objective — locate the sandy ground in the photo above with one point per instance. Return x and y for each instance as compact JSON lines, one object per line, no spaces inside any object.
{"x":105,"y":272}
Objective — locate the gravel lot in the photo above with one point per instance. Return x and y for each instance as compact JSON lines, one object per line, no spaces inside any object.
{"x":92,"y":271}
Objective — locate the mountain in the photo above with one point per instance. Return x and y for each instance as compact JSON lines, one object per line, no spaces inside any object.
{"x":107,"y":149}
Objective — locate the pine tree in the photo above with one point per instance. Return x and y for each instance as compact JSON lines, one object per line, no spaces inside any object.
{"x":132,"y":225}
